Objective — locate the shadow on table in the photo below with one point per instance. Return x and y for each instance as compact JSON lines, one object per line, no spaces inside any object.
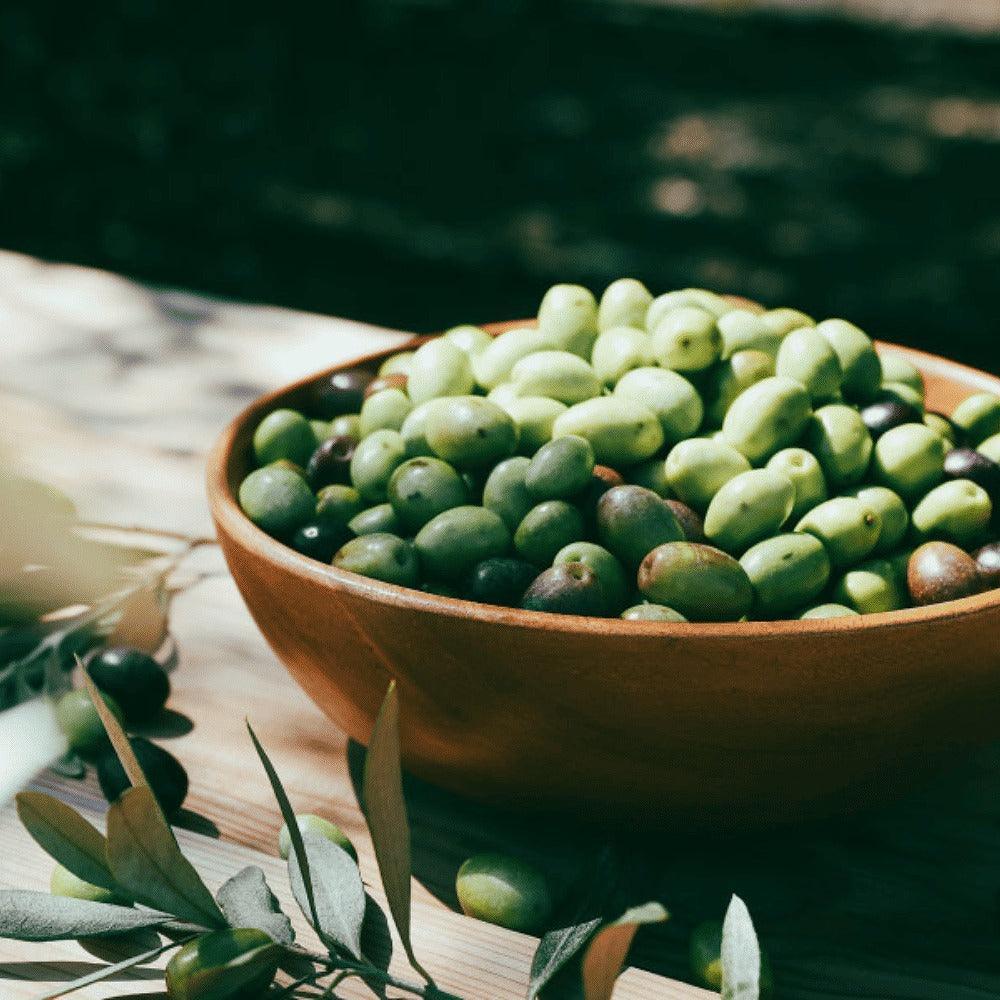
{"x":897,"y":903}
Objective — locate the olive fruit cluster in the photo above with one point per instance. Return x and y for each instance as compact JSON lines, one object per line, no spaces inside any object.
{"x":691,"y":456}
{"x":135,"y":688}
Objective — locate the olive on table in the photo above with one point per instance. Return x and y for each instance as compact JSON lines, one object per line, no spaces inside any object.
{"x":560,"y":469}
{"x":331,"y":462}
{"x":652,"y":613}
{"x":319,"y":540}
{"x":750,"y":507}
{"x":310,"y":823}
{"x":164,"y":772}
{"x":568,"y":589}
{"x":380,"y":519}
{"x":624,"y":303}
{"x":806,"y":474}
{"x":632,"y":521}
{"x":689,"y":519}
{"x":283,"y":434}
{"x":137,"y":683}
{"x":223,"y":965}
{"x":848,"y":528}
{"x":699,"y":467}
{"x":276,"y":499}
{"x":940,"y":571}
{"x":957,"y":511}
{"x":451,"y":543}
{"x":786,"y":571}
{"x":988,"y":562}
{"x":545,"y":529}
{"x":64,"y":883}
{"x":381,"y":556}
{"x":422,"y":488}
{"x":701,"y":582}
{"x":500,"y":580}
{"x":78,"y":719}
{"x":609,"y":570}
{"x":504,"y":891}
{"x":341,"y":392}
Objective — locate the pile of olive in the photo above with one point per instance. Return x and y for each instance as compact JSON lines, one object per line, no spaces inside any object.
{"x":685,"y":457}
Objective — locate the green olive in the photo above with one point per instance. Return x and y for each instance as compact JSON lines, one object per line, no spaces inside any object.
{"x":673,"y":399}
{"x":621,"y":431}
{"x":618,"y":350}
{"x":700,"y":298}
{"x":506,"y":493}
{"x":336,"y":505}
{"x":895,"y":368}
{"x":890,"y":508}
{"x":632,"y":521}
{"x":79,"y":720}
{"x":277,"y":499}
{"x":786,"y":571}
{"x":568,"y":316}
{"x":534,"y":417}
{"x":978,"y":417}
{"x":546,"y":529}
{"x":909,"y":459}
{"x":748,"y":508}
{"x":284,"y":434}
{"x":450,"y":544}
{"x":858,"y":360}
{"x":374,"y":461}
{"x":65,"y":883}
{"x":381,"y":518}
{"x":421,"y":488}
{"x":397,"y":364}
{"x":702,"y":583}
{"x":470,"y":432}
{"x":559,"y":375}
{"x":958,"y":511}
{"x":743,"y":330}
{"x":767,"y":417}
{"x":560,"y":469}
{"x":783,"y":320}
{"x":806,"y":356}
{"x":384,"y":410}
{"x":504,"y":891}
{"x":652,"y":613}
{"x":848,"y":527}
{"x":871,"y":588}
{"x":493,"y":364}
{"x":468,"y":338}
{"x":841,"y":442}
{"x":310,"y":823}
{"x":828,"y":611}
{"x":990,"y":448}
{"x":609,"y":571}
{"x":624,"y":303}
{"x":698,"y":468}
{"x":731,"y":377}
{"x":687,"y":340}
{"x":223,"y":965}
{"x":439,"y":368}
{"x":652,"y":475}
{"x":806,"y":475}
{"x":380,"y":556}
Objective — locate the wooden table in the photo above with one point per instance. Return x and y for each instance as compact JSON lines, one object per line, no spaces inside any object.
{"x":115,"y":392}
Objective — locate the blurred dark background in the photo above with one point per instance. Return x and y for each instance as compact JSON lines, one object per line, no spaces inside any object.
{"x":424,"y":162}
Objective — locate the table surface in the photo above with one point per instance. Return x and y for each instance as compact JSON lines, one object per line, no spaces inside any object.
{"x":115,"y":392}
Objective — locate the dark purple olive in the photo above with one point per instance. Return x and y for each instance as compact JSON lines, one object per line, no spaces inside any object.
{"x":394,"y":380}
{"x":500,"y":581}
{"x":940,"y":571}
{"x":690,"y":519}
{"x":988,"y":562}
{"x":887,"y":412}
{"x":967,"y":463}
{"x":133,"y":678}
{"x":342,"y":392}
{"x":164,"y":772}
{"x":568,"y":589}
{"x":319,"y":540}
{"x":331,"y":462}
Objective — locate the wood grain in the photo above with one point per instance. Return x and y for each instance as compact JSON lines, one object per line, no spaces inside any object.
{"x":899,"y":903}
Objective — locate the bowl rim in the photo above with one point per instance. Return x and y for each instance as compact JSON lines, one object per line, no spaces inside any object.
{"x":230,"y":519}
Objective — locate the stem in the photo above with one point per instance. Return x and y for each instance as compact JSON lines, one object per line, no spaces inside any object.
{"x":367,"y":972}
{"x":193,"y":541}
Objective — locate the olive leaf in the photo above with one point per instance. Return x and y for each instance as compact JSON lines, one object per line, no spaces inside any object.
{"x":117,"y":736}
{"x":388,"y":823}
{"x":39,"y":916}
{"x":247,"y":901}
{"x":298,"y":850}
{"x":66,"y":836}
{"x":109,"y":971}
{"x":606,"y":953}
{"x":146,"y":861}
{"x":740,"y":954}
{"x":338,"y":892}
{"x":555,"y":950}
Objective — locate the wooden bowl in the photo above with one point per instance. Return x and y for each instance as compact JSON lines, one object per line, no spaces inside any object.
{"x":683,"y":725}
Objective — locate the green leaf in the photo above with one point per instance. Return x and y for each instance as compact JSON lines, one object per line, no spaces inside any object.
{"x":247,"y":901}
{"x":388,"y":823}
{"x":107,"y":971}
{"x":117,"y":736}
{"x":606,"y":953}
{"x":338,"y":892}
{"x":555,"y":950}
{"x":294,"y":833}
{"x":67,"y":837}
{"x":146,"y":861}
{"x":37,"y":916}
{"x":740,"y":954}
